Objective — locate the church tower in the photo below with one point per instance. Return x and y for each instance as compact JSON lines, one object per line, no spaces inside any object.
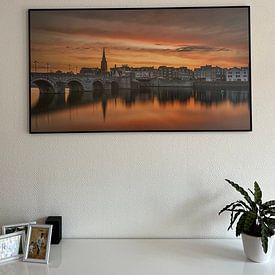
{"x":104,"y":63}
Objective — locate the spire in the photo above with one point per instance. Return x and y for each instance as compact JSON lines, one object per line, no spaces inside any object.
{"x":103,"y":63}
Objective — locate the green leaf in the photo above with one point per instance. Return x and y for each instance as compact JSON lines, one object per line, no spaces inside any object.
{"x":244,"y":205}
{"x":232,"y":215}
{"x":240,"y":224}
{"x":270,"y":211}
{"x":236,"y":210}
{"x":270,"y":223}
{"x":249,"y":221}
{"x":264,"y":237}
{"x":251,"y":192}
{"x":269,"y":203}
{"x":243,"y":192}
{"x":236,"y":206}
{"x":233,"y":220}
{"x":227,"y":207}
{"x":257,"y":193}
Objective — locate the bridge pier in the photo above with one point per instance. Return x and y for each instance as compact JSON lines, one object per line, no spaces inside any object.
{"x":60,"y":99}
{"x":60,"y":87}
{"x":107,"y":85}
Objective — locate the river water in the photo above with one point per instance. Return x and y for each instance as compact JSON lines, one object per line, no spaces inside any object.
{"x":152,"y":108}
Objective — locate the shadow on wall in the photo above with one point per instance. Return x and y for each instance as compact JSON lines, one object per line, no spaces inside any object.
{"x":198,"y":214}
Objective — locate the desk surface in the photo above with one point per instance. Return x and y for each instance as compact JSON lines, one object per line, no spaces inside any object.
{"x":144,"y":257}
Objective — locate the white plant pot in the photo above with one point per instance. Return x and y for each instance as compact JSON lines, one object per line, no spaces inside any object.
{"x":253,"y":248}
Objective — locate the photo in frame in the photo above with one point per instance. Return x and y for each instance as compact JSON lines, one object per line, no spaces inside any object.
{"x":10,"y":246}
{"x":140,"y":69}
{"x":11,"y":228}
{"x":38,"y":243}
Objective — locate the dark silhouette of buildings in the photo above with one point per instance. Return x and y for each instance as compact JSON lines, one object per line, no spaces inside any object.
{"x":90,"y":71}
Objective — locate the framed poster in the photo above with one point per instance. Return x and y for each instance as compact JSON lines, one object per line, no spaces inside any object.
{"x":145,"y":69}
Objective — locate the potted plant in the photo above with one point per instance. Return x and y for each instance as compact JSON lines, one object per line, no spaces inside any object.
{"x":255,"y":222}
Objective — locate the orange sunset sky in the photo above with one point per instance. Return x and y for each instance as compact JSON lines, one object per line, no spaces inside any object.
{"x":150,"y":37}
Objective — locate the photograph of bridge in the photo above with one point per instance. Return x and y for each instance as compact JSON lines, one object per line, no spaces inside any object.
{"x":153,"y":69}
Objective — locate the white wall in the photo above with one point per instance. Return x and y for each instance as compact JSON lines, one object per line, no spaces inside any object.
{"x":130,"y":184}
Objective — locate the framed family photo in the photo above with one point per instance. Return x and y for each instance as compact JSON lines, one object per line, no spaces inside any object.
{"x":10,"y":246}
{"x":12,"y":228}
{"x":7,"y":229}
{"x":38,"y":243}
{"x":140,"y":69}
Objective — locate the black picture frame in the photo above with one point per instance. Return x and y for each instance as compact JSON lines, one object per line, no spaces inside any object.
{"x":249,"y":99}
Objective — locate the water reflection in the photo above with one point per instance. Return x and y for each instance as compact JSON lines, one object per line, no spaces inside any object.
{"x":183,"y":107}
{"x":204,"y":96}
{"x":212,"y":96}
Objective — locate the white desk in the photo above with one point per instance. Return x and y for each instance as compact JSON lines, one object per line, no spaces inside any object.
{"x":144,"y":257}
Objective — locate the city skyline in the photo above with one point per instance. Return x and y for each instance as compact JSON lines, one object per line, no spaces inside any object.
{"x":149,"y":37}
{"x":46,"y":67}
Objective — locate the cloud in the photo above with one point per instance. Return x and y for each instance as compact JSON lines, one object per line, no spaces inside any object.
{"x":79,"y":48}
{"x":220,"y":27}
{"x":172,"y":37}
{"x":220,"y":17}
{"x":201,"y":48}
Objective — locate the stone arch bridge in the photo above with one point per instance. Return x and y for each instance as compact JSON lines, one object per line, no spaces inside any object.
{"x":57,"y":82}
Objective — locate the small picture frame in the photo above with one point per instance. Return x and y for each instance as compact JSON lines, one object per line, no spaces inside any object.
{"x":38,"y":242}
{"x":11,"y":228}
{"x":12,"y":246}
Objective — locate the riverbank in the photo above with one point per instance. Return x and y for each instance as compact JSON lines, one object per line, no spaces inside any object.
{"x":220,"y":84}
{"x":191,"y":83}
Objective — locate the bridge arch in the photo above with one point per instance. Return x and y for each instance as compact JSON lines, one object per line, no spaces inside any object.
{"x":98,"y":85}
{"x":75,"y":85}
{"x":45,"y":86}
